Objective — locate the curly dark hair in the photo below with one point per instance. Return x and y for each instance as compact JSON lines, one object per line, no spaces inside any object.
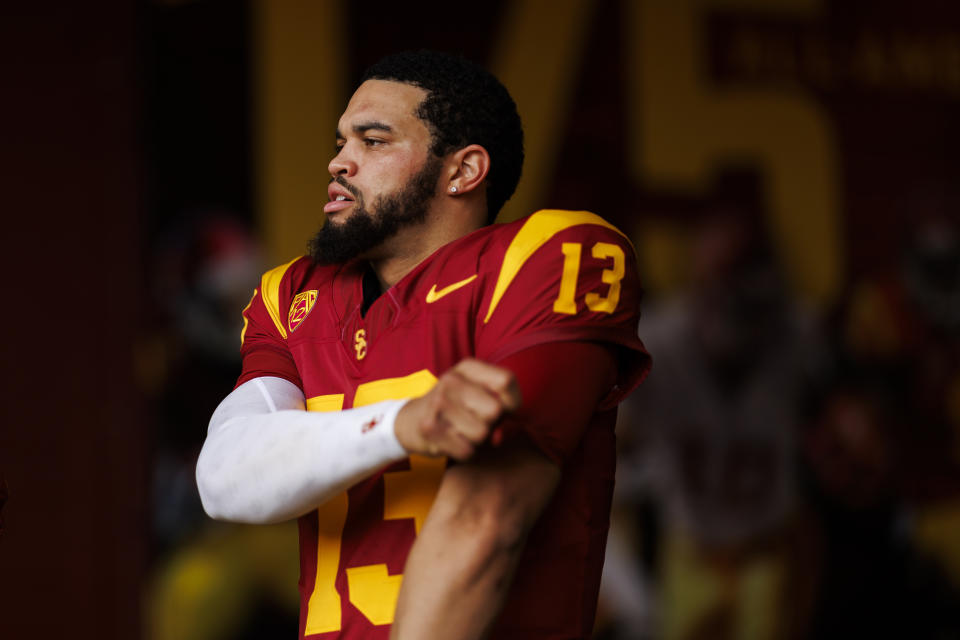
{"x":465,"y":105}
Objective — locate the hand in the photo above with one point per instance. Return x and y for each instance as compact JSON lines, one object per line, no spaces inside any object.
{"x":458,"y":414}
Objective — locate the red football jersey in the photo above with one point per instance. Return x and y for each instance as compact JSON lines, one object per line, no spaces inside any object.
{"x":554,"y":276}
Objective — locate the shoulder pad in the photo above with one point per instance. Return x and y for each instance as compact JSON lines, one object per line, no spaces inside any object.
{"x":270,"y":293}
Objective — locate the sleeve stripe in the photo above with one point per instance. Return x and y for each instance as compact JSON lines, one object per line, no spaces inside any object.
{"x":534,"y":233}
{"x":246,"y":319}
{"x":270,"y":290}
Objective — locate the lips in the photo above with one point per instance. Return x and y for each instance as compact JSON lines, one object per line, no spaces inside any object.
{"x":340,"y":198}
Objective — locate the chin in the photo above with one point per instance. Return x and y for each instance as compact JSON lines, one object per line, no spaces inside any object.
{"x":338,"y":218}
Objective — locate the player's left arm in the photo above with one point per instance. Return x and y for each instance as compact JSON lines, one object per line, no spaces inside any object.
{"x":462,"y":564}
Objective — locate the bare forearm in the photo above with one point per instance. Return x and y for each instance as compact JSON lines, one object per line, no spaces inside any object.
{"x":454,"y":584}
{"x":460,"y":569}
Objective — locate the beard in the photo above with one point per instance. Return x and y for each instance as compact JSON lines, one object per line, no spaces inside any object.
{"x":366,"y":230}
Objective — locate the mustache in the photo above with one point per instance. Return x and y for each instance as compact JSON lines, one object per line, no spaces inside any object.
{"x":340,"y":180}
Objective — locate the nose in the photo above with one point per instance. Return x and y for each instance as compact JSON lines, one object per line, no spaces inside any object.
{"x":342,"y":164}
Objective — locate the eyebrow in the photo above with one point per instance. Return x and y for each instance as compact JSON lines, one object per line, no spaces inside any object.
{"x":363,"y":127}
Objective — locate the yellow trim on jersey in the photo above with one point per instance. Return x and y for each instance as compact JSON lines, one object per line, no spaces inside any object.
{"x":270,"y":292}
{"x":534,"y":233}
{"x":246,"y":320}
{"x":329,"y":402}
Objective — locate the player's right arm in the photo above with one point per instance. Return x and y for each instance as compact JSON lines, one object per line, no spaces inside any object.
{"x":266,"y":459}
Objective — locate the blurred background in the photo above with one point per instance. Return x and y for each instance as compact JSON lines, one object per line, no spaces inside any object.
{"x":787,"y":170}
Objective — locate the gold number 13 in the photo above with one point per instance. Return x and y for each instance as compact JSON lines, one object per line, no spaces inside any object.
{"x":566,"y":301}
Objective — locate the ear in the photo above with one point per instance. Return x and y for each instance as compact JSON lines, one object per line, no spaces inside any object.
{"x":467,"y":168}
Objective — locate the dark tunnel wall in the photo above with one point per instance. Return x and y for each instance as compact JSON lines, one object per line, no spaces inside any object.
{"x":72,"y":446}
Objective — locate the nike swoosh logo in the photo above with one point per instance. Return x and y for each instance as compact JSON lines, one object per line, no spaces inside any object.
{"x":433,"y":295}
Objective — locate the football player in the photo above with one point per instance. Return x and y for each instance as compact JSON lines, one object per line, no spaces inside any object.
{"x":433,"y":395}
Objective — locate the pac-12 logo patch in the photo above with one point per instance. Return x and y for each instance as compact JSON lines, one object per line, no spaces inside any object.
{"x":300,"y":308}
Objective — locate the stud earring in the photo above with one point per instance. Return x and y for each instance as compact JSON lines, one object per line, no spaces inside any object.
{"x":453,"y":189}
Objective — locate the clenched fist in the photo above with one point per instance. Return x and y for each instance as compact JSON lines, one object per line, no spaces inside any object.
{"x":459,"y":413}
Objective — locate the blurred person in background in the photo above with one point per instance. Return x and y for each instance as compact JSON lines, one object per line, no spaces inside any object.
{"x":707,"y":478}
{"x":884,"y":457}
{"x":874,"y":579}
{"x":433,"y":517}
{"x":904,"y":323}
{"x":204,"y":271}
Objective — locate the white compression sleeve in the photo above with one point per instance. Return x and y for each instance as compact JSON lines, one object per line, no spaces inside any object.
{"x":266,"y":459}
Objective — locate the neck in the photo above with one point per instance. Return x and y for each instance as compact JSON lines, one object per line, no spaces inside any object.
{"x":412,"y":245}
